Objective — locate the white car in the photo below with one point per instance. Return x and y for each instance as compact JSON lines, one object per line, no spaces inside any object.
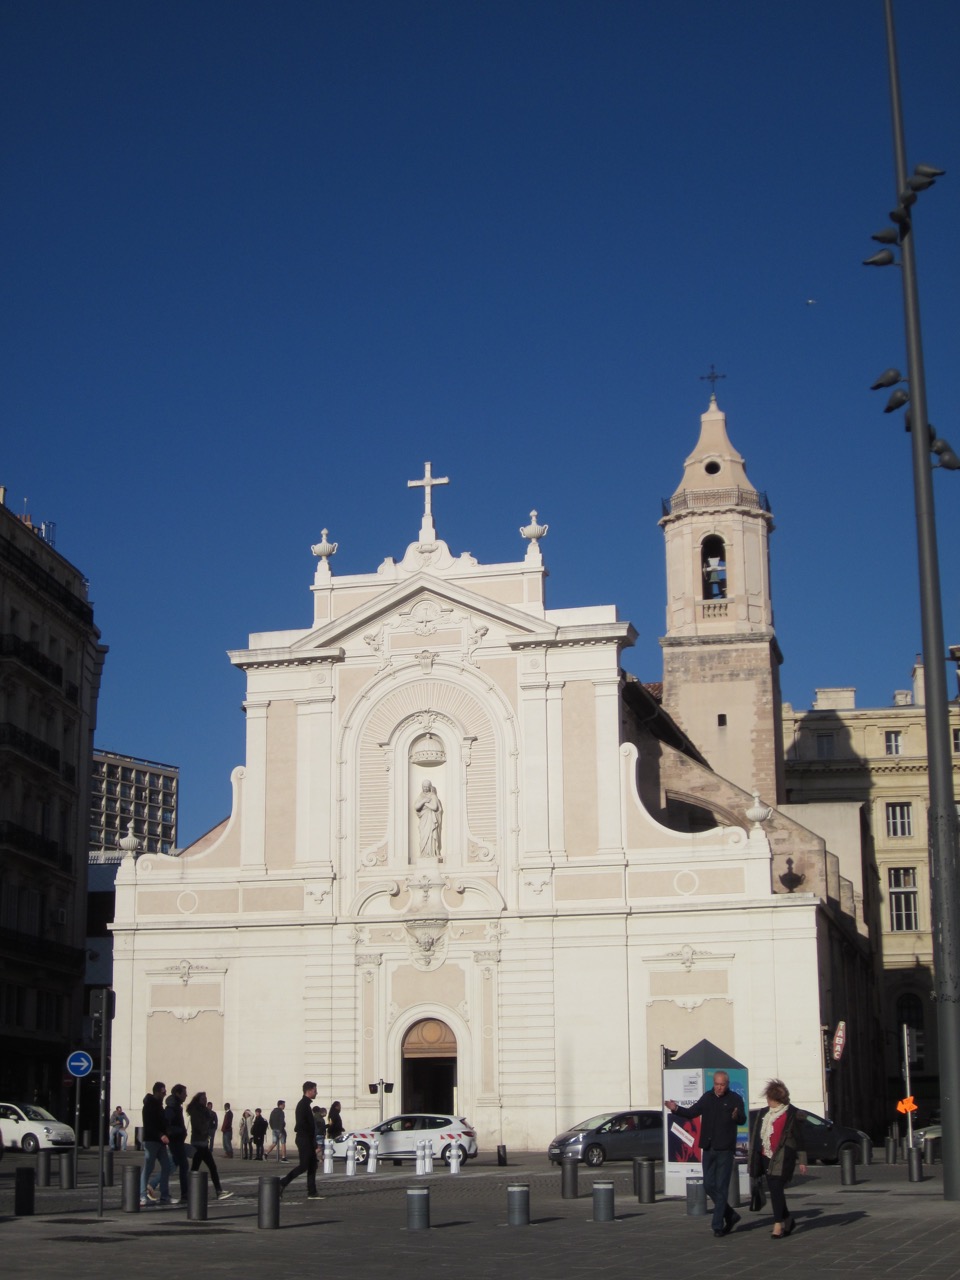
{"x":29,"y":1128}
{"x":397,"y":1137}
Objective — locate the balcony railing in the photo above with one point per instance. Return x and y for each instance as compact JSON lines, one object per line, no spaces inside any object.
{"x":12,"y":646}
{"x":25,"y":841}
{"x":697,"y":499}
{"x":11,"y":735}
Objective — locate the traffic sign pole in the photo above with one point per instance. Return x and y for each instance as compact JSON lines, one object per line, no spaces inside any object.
{"x":79,"y":1064}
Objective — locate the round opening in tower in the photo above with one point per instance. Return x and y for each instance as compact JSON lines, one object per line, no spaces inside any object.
{"x":711,"y":467}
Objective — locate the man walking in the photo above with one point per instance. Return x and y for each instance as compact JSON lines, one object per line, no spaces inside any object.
{"x":155,"y":1142}
{"x":720,"y":1113}
{"x":278,"y":1127}
{"x":177,"y":1135}
{"x":305,"y":1133}
{"x":226,"y":1131}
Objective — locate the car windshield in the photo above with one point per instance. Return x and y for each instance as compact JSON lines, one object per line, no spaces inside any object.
{"x":37,"y":1113}
{"x":594,"y":1122}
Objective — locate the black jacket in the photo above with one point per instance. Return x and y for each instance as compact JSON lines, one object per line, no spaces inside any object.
{"x":258,"y":1128}
{"x":719,"y":1118}
{"x":305,"y":1127}
{"x":154,"y":1124}
{"x":173,"y":1118}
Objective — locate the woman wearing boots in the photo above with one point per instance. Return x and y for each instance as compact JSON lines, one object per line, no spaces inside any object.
{"x":776,"y":1151}
{"x":203,"y":1125}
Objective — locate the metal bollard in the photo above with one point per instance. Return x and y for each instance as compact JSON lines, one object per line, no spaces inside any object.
{"x":914,"y":1165}
{"x":372,"y":1156}
{"x":197,"y":1196}
{"x":501,"y":1155}
{"x":138,"y":1138}
{"x":890,"y":1150}
{"x":696,"y":1198}
{"x":428,"y":1156}
{"x":848,"y":1170}
{"x":43,"y":1168}
{"x":351,"y":1161}
{"x":108,"y":1168}
{"x":454,"y":1157}
{"x":866,"y":1151}
{"x":646,"y":1187}
{"x":68,"y":1178}
{"x":23,"y":1193}
{"x":418,"y":1208}
{"x":733,"y":1190}
{"x":603,"y":1202}
{"x":268,"y":1204}
{"x":568,"y":1178}
{"x":328,"y":1150}
{"x":86,"y":1140}
{"x":421,"y":1156}
{"x":930,"y":1150}
{"x":130,"y":1194}
{"x":518,"y":1205}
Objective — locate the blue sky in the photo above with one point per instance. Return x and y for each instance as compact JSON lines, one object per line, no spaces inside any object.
{"x":261,"y":260}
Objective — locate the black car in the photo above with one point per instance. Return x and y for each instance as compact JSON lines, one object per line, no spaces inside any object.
{"x":612,"y":1135}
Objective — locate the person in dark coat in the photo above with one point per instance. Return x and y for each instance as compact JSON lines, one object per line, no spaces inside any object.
{"x":203,"y":1127}
{"x":258,"y":1131}
{"x":177,"y":1135}
{"x":334,"y":1122}
{"x":720,"y":1112}
{"x":305,"y":1133}
{"x":155,"y":1142}
{"x":776,"y":1151}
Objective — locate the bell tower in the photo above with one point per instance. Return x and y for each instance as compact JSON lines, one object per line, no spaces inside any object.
{"x":721,"y":660}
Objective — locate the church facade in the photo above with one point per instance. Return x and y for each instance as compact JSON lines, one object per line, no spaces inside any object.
{"x":471,"y":856}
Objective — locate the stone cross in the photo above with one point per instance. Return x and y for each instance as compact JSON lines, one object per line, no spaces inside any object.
{"x":427,"y":531}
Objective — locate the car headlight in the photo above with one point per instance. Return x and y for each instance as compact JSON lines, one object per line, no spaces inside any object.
{"x":47,"y":1130}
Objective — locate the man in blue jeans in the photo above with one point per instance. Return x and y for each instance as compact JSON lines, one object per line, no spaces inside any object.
{"x":720,"y":1113}
{"x":155,"y":1142}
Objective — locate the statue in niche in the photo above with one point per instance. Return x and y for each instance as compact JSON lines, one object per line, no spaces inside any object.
{"x":430,"y":816}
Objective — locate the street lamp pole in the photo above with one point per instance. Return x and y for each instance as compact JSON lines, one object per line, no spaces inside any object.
{"x":942,"y":814}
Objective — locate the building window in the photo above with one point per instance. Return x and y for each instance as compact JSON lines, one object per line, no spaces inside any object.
{"x":956,"y":741}
{"x":892,"y":741}
{"x":900,"y":819}
{"x":904,"y":916}
{"x":826,"y":745}
{"x":910,"y":1014}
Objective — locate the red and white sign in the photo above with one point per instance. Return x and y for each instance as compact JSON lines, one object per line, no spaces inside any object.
{"x":839,"y":1040}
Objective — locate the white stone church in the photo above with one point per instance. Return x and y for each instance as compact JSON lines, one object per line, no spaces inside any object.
{"x":470,"y":855}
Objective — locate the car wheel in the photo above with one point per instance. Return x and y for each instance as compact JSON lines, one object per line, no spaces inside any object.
{"x":595,"y":1156}
{"x":363,"y":1153}
{"x":29,"y":1144}
{"x":445,"y":1154}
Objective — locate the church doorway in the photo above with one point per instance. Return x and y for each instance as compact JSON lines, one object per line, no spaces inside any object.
{"x":429,"y":1073}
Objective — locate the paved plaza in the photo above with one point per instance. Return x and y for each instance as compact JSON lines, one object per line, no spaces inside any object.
{"x":881,"y":1226}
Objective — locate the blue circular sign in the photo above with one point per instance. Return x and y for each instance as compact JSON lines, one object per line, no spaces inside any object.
{"x":79,"y":1063}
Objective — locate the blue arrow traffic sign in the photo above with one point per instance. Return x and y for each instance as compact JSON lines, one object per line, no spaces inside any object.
{"x":79,"y":1063}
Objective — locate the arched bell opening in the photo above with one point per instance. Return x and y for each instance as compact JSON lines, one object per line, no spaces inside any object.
{"x":713,"y":562}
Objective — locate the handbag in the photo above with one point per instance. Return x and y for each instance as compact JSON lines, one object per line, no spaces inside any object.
{"x":756,"y":1195}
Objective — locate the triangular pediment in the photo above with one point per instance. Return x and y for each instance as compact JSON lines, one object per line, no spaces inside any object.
{"x":452,"y":600}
